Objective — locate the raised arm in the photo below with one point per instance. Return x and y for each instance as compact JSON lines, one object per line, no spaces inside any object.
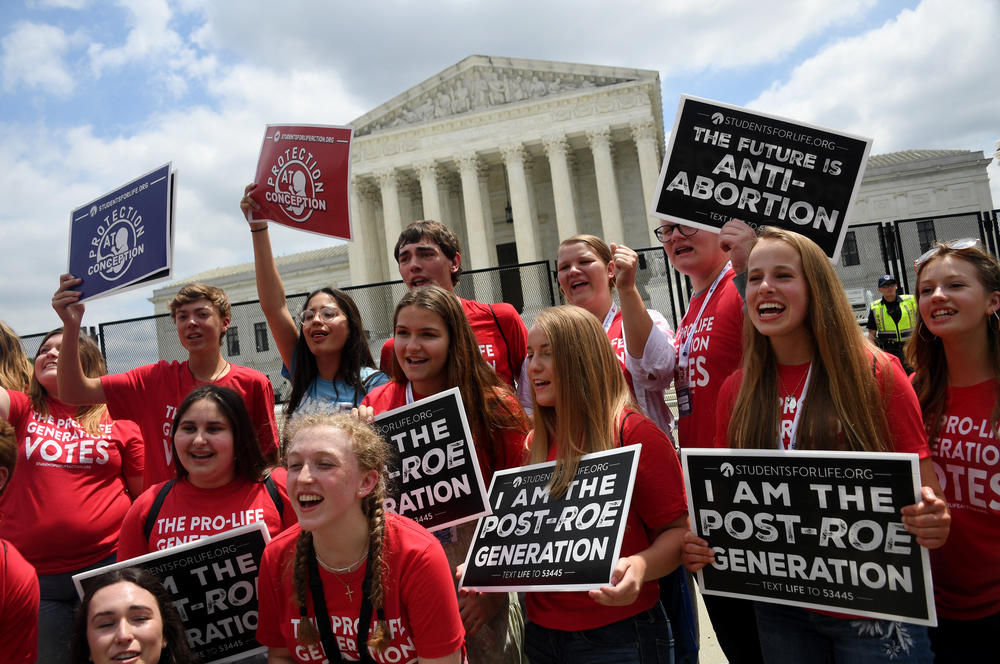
{"x":636,"y":322}
{"x":75,"y":387}
{"x":270,"y":290}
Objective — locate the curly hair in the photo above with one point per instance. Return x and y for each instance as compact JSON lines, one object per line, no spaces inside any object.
{"x":372,"y":453}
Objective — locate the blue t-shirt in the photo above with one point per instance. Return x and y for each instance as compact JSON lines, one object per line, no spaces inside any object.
{"x":338,"y":391}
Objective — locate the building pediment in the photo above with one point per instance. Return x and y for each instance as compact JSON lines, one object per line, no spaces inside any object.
{"x":481,"y":82}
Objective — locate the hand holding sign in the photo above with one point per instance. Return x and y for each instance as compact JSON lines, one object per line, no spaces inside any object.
{"x":737,"y":238}
{"x":929,"y":519}
{"x":249,"y":206}
{"x":67,"y":303}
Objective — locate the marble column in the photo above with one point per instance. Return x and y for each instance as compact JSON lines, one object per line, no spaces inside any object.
{"x":645,"y":136}
{"x":612,"y":224}
{"x":525,"y":226}
{"x":431,"y":196}
{"x":557,"y":149}
{"x":475,"y":223}
{"x":357,"y":249}
{"x":392,"y":218}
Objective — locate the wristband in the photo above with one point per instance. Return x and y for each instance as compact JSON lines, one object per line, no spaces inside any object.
{"x":258,"y":230}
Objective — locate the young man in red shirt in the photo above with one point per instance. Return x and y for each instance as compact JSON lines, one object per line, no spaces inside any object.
{"x":427,"y":253}
{"x":149,"y":395}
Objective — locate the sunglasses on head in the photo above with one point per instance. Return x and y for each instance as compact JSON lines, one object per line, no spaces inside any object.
{"x":956,"y":245}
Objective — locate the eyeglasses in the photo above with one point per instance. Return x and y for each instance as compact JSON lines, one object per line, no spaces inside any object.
{"x":326,"y":314}
{"x":666,"y":231}
{"x":957,"y":245}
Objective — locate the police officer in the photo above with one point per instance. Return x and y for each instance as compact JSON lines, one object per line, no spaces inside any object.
{"x":892,"y":318}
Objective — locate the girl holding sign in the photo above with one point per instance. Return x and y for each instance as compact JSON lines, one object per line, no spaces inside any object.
{"x":582,"y":405}
{"x":956,"y":351}
{"x":434,"y":349}
{"x":812,"y":381}
{"x":325,"y":354}
{"x":588,"y":270}
{"x":221,"y":482}
{"x":75,"y":470}
{"x":352,"y":579}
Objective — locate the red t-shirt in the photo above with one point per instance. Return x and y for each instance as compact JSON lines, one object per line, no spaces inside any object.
{"x":489,"y":337}
{"x":906,"y":431}
{"x":657,"y":499}
{"x":67,"y":496}
{"x":150,"y":395}
{"x":508,"y":444}
{"x":419,"y":599}
{"x":18,"y":607}
{"x":716,"y":351}
{"x":966,"y":458}
{"x":189,"y":514}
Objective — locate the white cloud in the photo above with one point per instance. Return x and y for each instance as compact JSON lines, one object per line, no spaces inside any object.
{"x":214,"y":151}
{"x":926,"y":79}
{"x":33,"y":56}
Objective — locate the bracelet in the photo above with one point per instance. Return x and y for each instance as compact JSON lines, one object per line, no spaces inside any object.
{"x":258,"y":230}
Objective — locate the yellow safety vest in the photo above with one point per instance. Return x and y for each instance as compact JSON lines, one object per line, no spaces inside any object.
{"x":888,"y":329}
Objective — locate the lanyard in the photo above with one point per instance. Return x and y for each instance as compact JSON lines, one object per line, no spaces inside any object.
{"x":798,"y":412}
{"x":610,"y":318}
{"x":409,"y":393}
{"x":684,"y":355}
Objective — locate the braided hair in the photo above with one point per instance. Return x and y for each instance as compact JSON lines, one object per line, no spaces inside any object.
{"x":371,"y":453}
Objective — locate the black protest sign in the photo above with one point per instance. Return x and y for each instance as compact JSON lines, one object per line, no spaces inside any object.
{"x":434,"y":476}
{"x":726,"y":162}
{"x":535,"y":542}
{"x":815,"y":529}
{"x":213,"y":585}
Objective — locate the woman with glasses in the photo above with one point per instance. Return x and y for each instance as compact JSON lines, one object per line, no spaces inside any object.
{"x":588,"y":270}
{"x":326,"y":356}
{"x":709,"y":344}
{"x":955,"y":349}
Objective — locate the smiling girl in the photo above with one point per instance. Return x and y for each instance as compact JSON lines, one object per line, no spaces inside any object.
{"x":435,"y":350}
{"x":378,"y":579}
{"x":75,"y":470}
{"x":219,"y":484}
{"x":811,"y":381}
{"x":588,"y":270}
{"x":325,"y":353}
{"x":956,"y":351}
{"x":127,"y":616}
{"x":623,"y":622}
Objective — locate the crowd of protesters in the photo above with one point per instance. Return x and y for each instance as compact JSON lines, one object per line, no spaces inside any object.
{"x":767,"y":356}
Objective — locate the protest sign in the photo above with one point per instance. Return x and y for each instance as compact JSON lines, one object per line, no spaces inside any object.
{"x":434,"y":476}
{"x":303,"y":175}
{"x":213,"y":585}
{"x":125,"y":238}
{"x":726,"y":162}
{"x":534,"y":542}
{"x":821,"y":530}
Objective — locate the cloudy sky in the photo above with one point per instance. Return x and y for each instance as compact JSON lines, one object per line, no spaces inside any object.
{"x":93,"y":94}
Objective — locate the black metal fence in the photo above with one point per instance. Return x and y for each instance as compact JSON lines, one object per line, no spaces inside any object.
{"x":870,"y":250}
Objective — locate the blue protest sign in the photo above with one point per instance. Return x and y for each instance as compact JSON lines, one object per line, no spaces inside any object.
{"x":124,"y":239}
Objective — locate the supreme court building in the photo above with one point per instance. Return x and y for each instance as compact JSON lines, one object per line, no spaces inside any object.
{"x":511,"y":154}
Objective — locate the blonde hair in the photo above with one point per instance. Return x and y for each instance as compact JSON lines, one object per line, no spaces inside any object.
{"x":843,"y":392}
{"x":15,"y":368}
{"x":372,"y":453}
{"x":590,"y":392}
{"x":88,"y":417}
